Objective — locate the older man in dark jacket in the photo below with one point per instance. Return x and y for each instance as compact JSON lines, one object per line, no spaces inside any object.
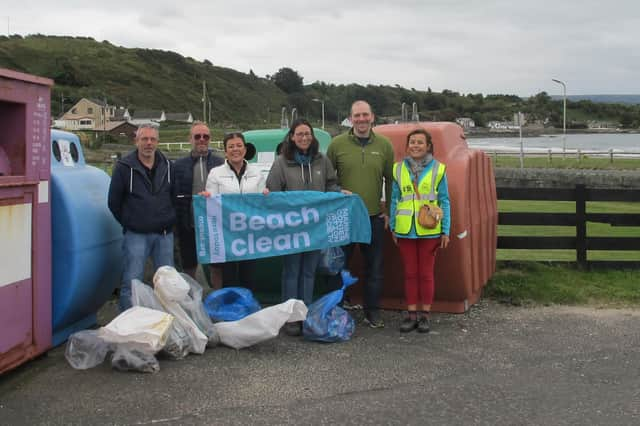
{"x":140,"y":200}
{"x":190,"y":178}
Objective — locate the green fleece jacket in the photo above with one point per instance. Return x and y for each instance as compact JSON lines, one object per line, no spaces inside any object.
{"x":361,"y":169}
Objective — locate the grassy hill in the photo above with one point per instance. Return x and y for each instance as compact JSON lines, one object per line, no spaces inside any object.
{"x":146,"y":79}
{"x":139,"y":78}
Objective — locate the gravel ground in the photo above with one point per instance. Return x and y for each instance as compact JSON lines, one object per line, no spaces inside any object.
{"x":496,"y":364}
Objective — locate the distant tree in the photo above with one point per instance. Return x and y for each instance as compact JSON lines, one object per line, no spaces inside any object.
{"x":478,"y":119}
{"x":288,"y":80}
{"x":626,"y":120}
{"x":433,"y":101}
{"x":207,"y":62}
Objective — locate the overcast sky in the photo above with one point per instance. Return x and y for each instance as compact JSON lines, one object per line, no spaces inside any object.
{"x":513,"y":47}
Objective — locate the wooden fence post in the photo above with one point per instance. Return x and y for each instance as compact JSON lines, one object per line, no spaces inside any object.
{"x":581,"y":225}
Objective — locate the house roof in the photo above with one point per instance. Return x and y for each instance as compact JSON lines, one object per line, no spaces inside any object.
{"x":178,"y":116}
{"x":97,"y":101}
{"x":112,"y":125}
{"x":141,"y":115}
{"x":119,"y":115}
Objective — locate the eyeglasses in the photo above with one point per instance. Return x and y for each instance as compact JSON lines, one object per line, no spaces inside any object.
{"x":301,"y":135}
{"x":202,"y":136}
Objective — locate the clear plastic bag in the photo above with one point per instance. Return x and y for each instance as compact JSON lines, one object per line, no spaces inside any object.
{"x":130,"y":358}
{"x":230,"y":304}
{"x":332,"y":261}
{"x":86,"y":349}
{"x":171,"y":289}
{"x":328,"y":322}
{"x":177,"y":346}
{"x":194,"y":307}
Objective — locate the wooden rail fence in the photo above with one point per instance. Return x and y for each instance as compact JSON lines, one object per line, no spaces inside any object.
{"x":581,"y":243}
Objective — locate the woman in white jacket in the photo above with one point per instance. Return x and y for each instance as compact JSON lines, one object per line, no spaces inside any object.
{"x":235,"y":176}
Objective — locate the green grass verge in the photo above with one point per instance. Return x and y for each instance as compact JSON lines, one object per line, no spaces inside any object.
{"x":525,"y":283}
{"x":593,"y":230}
{"x":594,"y":163}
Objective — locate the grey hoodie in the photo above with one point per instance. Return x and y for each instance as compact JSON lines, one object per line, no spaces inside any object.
{"x":289,"y":175}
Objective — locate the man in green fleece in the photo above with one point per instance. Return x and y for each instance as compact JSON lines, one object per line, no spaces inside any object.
{"x":364,"y":162}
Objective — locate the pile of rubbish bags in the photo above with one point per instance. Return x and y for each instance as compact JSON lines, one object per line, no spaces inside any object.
{"x":171,"y":320}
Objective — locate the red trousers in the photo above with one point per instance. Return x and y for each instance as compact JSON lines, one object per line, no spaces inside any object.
{"x":419,"y":258}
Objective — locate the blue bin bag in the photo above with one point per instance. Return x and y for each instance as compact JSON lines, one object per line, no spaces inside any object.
{"x":230,"y":304}
{"x":328,"y":322}
{"x":331,"y":261}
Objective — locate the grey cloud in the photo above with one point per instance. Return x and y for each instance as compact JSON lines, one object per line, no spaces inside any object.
{"x":490,"y":47}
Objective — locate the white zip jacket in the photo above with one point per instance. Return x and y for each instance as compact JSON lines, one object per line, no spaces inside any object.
{"x":223,"y":180}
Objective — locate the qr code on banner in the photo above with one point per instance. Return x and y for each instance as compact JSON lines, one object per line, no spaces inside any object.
{"x":338,"y":226}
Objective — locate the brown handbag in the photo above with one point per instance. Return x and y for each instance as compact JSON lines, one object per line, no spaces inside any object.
{"x":429,"y":215}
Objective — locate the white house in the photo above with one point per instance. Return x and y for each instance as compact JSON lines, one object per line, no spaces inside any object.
{"x":466,"y":122}
{"x":147,"y":117}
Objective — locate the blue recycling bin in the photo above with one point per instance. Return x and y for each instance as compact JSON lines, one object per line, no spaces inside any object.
{"x":86,"y":239}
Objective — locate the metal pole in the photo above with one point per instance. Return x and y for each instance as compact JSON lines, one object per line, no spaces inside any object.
{"x":104,"y":120}
{"x":321,"y":101}
{"x":564,"y":116}
{"x":209,"y":121}
{"x":204,"y":106}
{"x":521,"y":144}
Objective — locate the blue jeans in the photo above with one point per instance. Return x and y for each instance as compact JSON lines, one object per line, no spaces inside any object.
{"x":136,"y":248}
{"x":299,"y":275}
{"x":374,"y":272}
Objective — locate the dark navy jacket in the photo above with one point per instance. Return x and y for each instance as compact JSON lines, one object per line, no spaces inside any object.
{"x":183,"y":184}
{"x":137,"y":203}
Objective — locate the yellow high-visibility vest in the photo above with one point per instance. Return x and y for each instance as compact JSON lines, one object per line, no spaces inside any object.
{"x":409,"y":204}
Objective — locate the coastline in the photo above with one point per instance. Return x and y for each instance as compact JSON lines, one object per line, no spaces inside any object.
{"x":550,"y":132}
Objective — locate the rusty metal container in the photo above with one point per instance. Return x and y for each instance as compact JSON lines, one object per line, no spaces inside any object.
{"x":25,"y":218}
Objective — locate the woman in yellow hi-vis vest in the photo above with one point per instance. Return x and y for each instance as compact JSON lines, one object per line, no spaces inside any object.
{"x":417,"y":180}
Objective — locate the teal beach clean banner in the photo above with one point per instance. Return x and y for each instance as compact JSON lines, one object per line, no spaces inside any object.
{"x":250,"y":226}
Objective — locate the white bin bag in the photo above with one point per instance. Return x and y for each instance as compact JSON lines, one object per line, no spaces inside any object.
{"x":144,"y":328}
{"x":260,"y":326}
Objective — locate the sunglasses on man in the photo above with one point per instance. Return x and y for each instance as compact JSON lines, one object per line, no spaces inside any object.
{"x":202,"y":136}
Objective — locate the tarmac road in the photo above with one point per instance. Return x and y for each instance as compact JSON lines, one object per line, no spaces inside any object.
{"x":495,"y":365}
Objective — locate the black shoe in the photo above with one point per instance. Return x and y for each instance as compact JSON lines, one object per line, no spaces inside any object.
{"x":293,"y":328}
{"x":423,"y":325}
{"x":408,"y":324}
{"x":346,"y":305}
{"x":373,"y":319}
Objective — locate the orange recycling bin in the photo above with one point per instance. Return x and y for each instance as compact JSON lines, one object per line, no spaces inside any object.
{"x":463,"y":268}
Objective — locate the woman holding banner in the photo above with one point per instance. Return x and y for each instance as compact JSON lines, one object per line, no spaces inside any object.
{"x":235,"y":176}
{"x":419,"y":179}
{"x":301,"y":167}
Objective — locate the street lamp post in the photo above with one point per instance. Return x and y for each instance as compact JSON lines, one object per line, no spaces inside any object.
{"x":564,"y":116}
{"x":322,"y":103}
